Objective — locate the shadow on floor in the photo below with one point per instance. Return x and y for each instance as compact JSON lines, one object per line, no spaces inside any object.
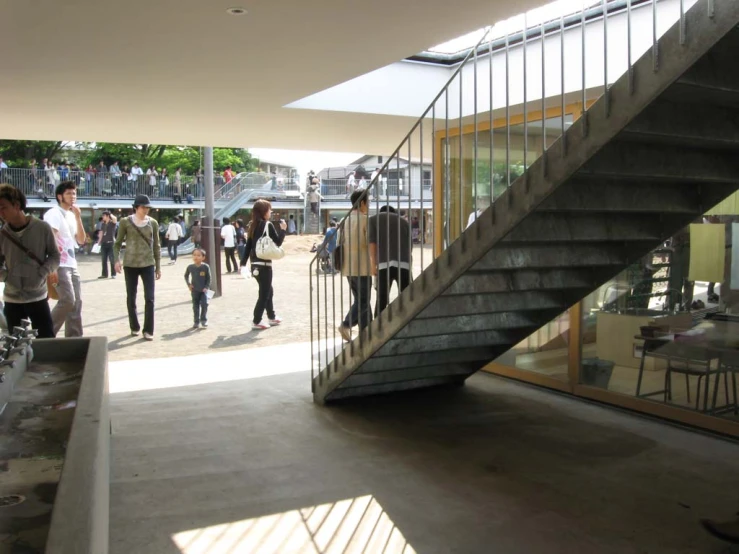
{"x":223,"y":341}
{"x":123,"y":342}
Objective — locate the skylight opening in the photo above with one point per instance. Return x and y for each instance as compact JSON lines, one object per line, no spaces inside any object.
{"x":515,"y":24}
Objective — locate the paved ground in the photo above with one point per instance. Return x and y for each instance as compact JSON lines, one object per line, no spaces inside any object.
{"x":227,"y":453}
{"x":230,"y":316}
{"x":218,"y":448}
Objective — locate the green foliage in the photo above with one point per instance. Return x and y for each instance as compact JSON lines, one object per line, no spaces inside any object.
{"x":18,"y":153}
{"x":171,"y":157}
{"x":500,"y":177}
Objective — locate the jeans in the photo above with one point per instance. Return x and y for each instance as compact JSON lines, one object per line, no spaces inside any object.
{"x":266,"y":293}
{"x":231,"y":259}
{"x":147,"y":275}
{"x":199,"y":307}
{"x":172,"y":249}
{"x":68,"y":309}
{"x":38,"y":312}
{"x":360,"y":312}
{"x":385,"y":278}
{"x":106,"y":251}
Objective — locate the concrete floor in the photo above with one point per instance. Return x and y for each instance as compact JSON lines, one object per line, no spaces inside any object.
{"x":234,"y":459}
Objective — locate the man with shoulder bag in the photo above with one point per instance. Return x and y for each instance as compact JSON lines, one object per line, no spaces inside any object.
{"x":142,"y":260}
{"x":29,"y":253}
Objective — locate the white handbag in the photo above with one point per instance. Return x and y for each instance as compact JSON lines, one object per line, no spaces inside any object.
{"x":266,"y":248}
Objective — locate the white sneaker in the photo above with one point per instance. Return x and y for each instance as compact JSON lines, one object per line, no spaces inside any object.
{"x":260,"y":326}
{"x":275,"y":321}
{"x":148,"y":336}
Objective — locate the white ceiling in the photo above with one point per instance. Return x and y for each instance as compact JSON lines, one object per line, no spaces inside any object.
{"x":185,"y":72}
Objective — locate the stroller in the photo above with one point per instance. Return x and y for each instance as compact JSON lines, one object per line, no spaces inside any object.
{"x":324,"y":258}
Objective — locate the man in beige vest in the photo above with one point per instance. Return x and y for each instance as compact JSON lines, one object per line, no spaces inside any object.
{"x":355,"y":265}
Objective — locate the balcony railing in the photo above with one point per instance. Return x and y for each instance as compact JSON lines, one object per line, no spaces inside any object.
{"x":37,"y":183}
{"x":336,"y":189}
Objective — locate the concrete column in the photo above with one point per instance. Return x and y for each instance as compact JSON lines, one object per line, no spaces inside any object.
{"x":209,"y":220}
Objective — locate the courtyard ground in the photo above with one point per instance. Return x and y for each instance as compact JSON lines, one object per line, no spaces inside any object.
{"x":218,"y":448}
{"x":230,"y":315}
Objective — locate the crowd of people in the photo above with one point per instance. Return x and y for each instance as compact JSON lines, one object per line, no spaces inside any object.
{"x":39,"y":261}
{"x":116,"y":179}
{"x":377,"y":246}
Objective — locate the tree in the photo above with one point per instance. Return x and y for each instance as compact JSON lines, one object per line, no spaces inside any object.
{"x":19,"y":153}
{"x":125,"y":154}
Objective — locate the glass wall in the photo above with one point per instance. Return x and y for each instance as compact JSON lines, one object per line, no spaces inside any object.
{"x":667,"y":328}
{"x":661,"y":337}
{"x":466,"y":175}
{"x":545,"y":352}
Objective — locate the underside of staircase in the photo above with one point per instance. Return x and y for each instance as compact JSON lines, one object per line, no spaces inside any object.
{"x":645,"y":161}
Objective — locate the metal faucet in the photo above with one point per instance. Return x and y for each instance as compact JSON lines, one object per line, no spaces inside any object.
{"x":5,"y":362}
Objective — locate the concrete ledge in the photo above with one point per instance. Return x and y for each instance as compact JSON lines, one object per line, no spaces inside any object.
{"x":80,"y":519}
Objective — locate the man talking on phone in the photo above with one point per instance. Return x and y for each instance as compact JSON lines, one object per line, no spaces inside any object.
{"x":66,"y":222}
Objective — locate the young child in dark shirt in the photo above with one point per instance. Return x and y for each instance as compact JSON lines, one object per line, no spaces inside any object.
{"x":197,"y":277}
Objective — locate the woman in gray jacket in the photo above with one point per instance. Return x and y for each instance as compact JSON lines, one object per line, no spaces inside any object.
{"x":29,"y":252}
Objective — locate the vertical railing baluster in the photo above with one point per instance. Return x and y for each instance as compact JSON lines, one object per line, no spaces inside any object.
{"x":318,"y":318}
{"x":376,"y":280}
{"x":606,"y":91}
{"x":360,"y":288}
{"x":365,"y":236}
{"x":461,"y":165}
{"x":409,"y":215}
{"x":474,"y":182}
{"x":325,"y":310}
{"x":434,"y":165}
{"x":628,"y":45}
{"x":492,"y":134}
{"x":683,"y":23}
{"x":508,"y":110}
{"x":447,"y":177}
{"x":333,"y":300}
{"x":400,"y":304}
{"x":562,"y":82}
{"x":312,"y":350}
{"x":584,"y":114}
{"x":422,"y":219}
{"x":340,"y":241}
{"x":655,"y":42}
{"x":542,"y":32}
{"x":387,"y":247}
{"x":525,"y":101}
{"x":352,"y":275}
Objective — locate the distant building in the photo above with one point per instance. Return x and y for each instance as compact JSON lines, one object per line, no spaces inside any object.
{"x":399,"y":179}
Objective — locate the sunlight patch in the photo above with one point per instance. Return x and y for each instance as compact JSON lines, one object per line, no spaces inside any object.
{"x":347,"y":526}
{"x":202,"y":369}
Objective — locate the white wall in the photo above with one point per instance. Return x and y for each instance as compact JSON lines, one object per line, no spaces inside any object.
{"x":397,"y":89}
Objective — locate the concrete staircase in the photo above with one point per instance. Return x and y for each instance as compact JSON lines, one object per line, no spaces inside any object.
{"x":647,"y":159}
{"x":312,"y":222}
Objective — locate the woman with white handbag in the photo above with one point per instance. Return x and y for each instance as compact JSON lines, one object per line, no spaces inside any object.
{"x":263,"y":245}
